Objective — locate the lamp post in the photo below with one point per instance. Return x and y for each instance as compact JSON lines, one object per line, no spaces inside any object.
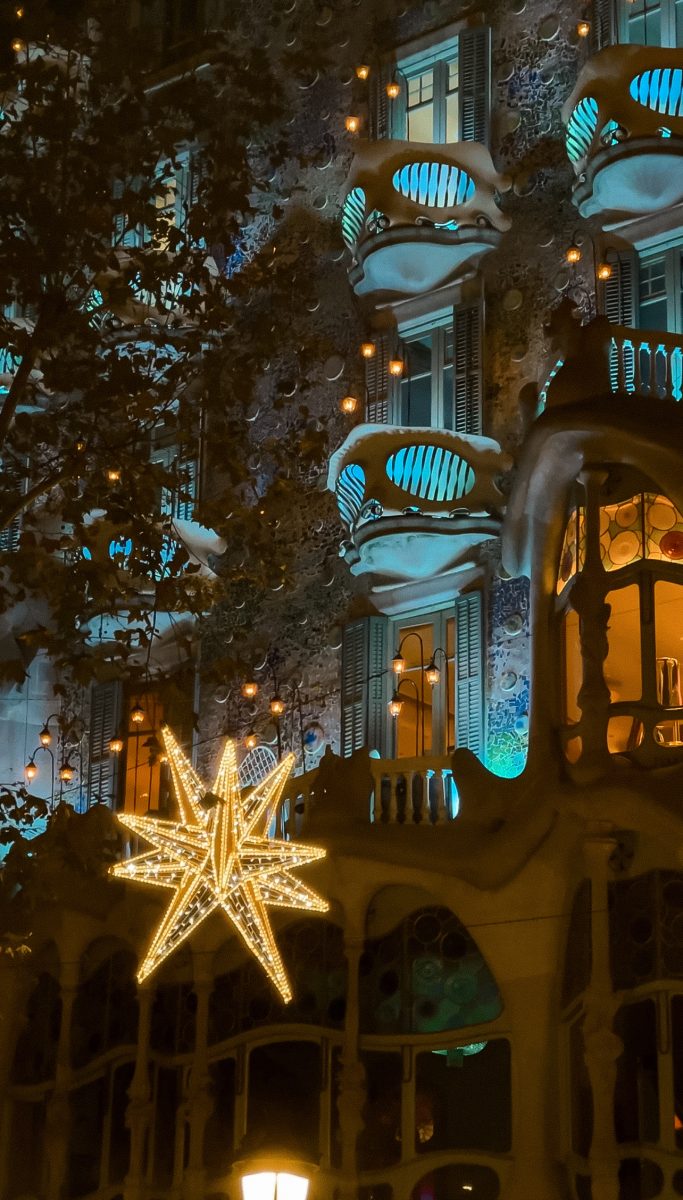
{"x":602,"y":268}
{"x":31,"y":770}
{"x":398,"y":666}
{"x":395,"y":706}
{"x":433,"y":677}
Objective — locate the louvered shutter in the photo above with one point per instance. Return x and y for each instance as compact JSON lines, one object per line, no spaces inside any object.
{"x":363,"y":684}
{"x":185,"y":500}
{"x":469,"y":671}
{"x":474,"y":52}
{"x":604,"y":30}
{"x":619,"y":293}
{"x":105,"y":712}
{"x":9,"y":536}
{"x":468,"y":369}
{"x":378,"y":382}
{"x":381,"y":114}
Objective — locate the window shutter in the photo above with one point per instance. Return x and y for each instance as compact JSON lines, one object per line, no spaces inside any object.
{"x":474,"y":52}
{"x":619,"y":293}
{"x":184,"y":508}
{"x":105,"y":713}
{"x":469,"y":664}
{"x":377,"y":382}
{"x":467,"y":369}
{"x":604,"y":30}
{"x":381,"y":113}
{"x":363,"y":684}
{"x":9,"y":536}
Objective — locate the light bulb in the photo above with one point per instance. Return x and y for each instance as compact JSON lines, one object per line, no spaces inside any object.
{"x":251,"y":740}
{"x":137,"y":715}
{"x":432,"y":674}
{"x":398,"y":663}
{"x":395,"y":705}
{"x":66,"y":772}
{"x":277,"y":706}
{"x":17,"y":45}
{"x":583,"y":28}
{"x":395,"y":367}
{"x":45,"y":736}
{"x":348,"y":405}
{"x":393,"y":90}
{"x":30,"y":771}
{"x":604,"y":271}
{"x":368,"y":349}
{"x":573,"y":254}
{"x":352,"y":124}
{"x":116,"y":745}
{"x":113,"y":475}
{"x":249,"y":690}
{"x":362,"y":71}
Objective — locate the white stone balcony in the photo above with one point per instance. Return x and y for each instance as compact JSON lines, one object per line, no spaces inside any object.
{"x":624,"y":137}
{"x":416,"y":502}
{"x":417,"y":215}
{"x":632,"y":362}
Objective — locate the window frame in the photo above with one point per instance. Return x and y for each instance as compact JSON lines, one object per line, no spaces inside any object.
{"x":668,"y":17}
{"x":443,"y":739}
{"x":436,"y":58}
{"x":437,"y":324}
{"x":671,"y":254}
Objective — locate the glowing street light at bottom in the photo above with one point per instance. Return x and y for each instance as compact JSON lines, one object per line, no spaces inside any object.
{"x":274,"y":1185}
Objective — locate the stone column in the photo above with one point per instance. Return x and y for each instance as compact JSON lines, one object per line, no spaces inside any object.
{"x":602,"y":1047}
{"x":352,"y":1085}
{"x":587,"y":600}
{"x":57,"y":1119}
{"x":199,"y":1100}
{"x":139,"y":1111}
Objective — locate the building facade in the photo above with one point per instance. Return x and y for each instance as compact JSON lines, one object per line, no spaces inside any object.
{"x":493,"y":1006}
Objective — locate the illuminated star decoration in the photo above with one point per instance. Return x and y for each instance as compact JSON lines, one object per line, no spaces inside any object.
{"x":218,"y":856}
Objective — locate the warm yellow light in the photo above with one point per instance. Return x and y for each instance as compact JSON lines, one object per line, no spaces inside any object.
{"x":271,"y":1185}
{"x":393,"y":90}
{"x":583,"y":28}
{"x":137,"y":715}
{"x":398,"y":663}
{"x":30,"y":771}
{"x":66,"y":772}
{"x":17,"y":45}
{"x":80,"y":445}
{"x":573,"y":254}
{"x":352,"y":124}
{"x":348,"y":405}
{"x":432,"y":674}
{"x":362,"y":71}
{"x":19,"y":12}
{"x":604,"y":271}
{"x":395,"y":705}
{"x":219,"y":858}
{"x":277,"y":706}
{"x":113,"y":475}
{"x":45,"y":736}
{"x":249,"y":690}
{"x":395,"y":367}
{"x":251,"y":740}
{"x":368,"y":349}
{"x":116,"y":745}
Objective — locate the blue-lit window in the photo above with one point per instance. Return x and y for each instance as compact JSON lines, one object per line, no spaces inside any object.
{"x":660,"y":290}
{"x":425,"y":391}
{"x":427,"y":110}
{"x":652,"y":22}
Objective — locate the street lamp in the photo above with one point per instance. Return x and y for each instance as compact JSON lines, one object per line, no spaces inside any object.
{"x":274,"y":1176}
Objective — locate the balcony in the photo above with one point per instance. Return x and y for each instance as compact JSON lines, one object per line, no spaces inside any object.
{"x":641,"y":363}
{"x":416,"y":502}
{"x":417,"y":216}
{"x":625,"y":132}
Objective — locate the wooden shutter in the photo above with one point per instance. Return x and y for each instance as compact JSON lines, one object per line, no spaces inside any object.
{"x":469,"y":671}
{"x":474,"y":52}
{"x":604,"y":28}
{"x":380,"y":124}
{"x":363,"y":684}
{"x":105,"y":714}
{"x":378,"y":382}
{"x":9,"y":536}
{"x":619,"y":293}
{"x":468,"y":381}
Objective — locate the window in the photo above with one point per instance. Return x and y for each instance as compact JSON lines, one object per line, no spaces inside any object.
{"x":426,"y":387}
{"x":426,"y":722}
{"x":660,"y":291}
{"x":430,"y":93}
{"x":651,"y":22}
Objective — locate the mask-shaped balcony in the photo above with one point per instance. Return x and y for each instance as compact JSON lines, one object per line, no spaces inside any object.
{"x":417,"y":215}
{"x":416,"y":502}
{"x":625,"y":132}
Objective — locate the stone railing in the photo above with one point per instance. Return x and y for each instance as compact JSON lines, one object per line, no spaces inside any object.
{"x":401,"y":791}
{"x":395,"y":483}
{"x":639,"y":362}
{"x":415,"y":212}
{"x":627,"y":104}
